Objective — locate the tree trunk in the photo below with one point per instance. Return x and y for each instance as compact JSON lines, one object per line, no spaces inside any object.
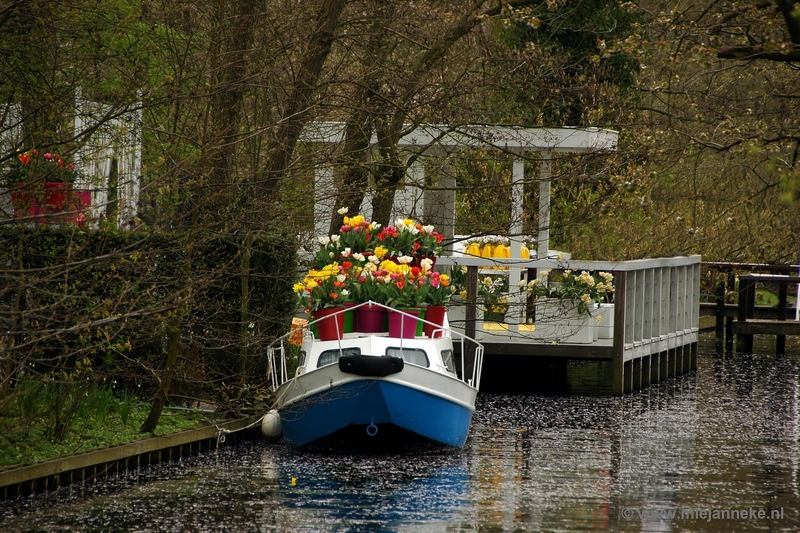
{"x":227,"y":99}
{"x":353,"y":182}
{"x":160,"y":398}
{"x":300,"y":104}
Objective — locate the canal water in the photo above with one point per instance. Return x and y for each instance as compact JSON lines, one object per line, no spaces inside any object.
{"x":716,"y":450}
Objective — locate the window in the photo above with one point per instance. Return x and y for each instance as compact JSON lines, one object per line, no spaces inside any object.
{"x":447,"y":357}
{"x":415,"y":356}
{"x":328,"y":357}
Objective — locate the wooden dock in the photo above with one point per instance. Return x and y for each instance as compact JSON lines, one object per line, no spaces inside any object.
{"x":655,"y":317}
{"x":744,"y":320}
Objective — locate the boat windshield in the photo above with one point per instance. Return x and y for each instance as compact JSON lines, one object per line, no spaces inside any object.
{"x":415,"y":356}
{"x":329,"y":357}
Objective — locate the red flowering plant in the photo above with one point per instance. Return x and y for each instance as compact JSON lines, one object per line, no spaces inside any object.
{"x":440,"y":289}
{"x":32,"y":167}
{"x":411,"y":238}
{"x":357,"y":233}
{"x":405,"y":286}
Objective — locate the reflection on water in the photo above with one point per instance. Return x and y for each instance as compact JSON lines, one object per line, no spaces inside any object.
{"x":721,"y":440}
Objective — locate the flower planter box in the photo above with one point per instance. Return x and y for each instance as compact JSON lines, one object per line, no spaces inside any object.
{"x":559,"y":321}
{"x":605,"y":329}
{"x":50,"y":202}
{"x":457,"y":316}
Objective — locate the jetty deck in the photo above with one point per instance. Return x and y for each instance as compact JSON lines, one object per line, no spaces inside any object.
{"x":655,"y":316}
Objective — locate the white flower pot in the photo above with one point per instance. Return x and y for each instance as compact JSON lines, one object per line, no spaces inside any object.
{"x":558,"y":321}
{"x":605,"y":329}
{"x":457,"y":316}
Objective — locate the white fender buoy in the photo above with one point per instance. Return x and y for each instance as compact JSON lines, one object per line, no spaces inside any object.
{"x":271,"y":426}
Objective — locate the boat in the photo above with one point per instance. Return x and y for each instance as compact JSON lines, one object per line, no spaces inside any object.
{"x":366,"y":383}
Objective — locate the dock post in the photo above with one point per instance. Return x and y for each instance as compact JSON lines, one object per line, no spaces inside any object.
{"x":687,"y":358}
{"x":729,"y":319}
{"x":670,"y":363}
{"x":719,"y":330}
{"x":637,"y":374}
{"x":471,"y":317}
{"x":628,"y":387}
{"x":646,"y":372}
{"x":618,"y":354}
{"x":747,"y":304}
{"x":693,"y":360}
{"x":655,"y":367}
{"x":780,"y":340}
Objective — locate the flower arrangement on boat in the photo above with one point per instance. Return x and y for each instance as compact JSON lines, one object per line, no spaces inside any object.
{"x":324,"y":288}
{"x":411,"y":239}
{"x":392,"y":265}
{"x":584,"y":288}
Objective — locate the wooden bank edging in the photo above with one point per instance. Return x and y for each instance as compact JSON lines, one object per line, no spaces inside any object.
{"x":53,"y":473}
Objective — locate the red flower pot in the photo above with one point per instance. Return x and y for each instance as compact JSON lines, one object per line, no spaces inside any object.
{"x":50,"y":202}
{"x":435,"y":314}
{"x":330,"y":323}
{"x":371,"y":319}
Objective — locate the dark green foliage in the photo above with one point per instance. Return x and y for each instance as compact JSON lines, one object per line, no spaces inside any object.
{"x":563,"y":61}
{"x":100,"y":302}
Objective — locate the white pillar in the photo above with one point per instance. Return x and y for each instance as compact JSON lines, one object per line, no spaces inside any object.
{"x":543,"y":238}
{"x":324,"y":197}
{"x":408,"y":198}
{"x":516,"y":300}
{"x":129,"y":165}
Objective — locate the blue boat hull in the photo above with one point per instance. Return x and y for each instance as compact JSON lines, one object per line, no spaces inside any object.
{"x":370,"y":401}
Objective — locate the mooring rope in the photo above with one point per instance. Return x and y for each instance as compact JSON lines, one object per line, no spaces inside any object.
{"x":222,"y":433}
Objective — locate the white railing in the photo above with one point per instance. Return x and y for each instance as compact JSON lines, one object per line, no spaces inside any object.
{"x":654,"y":298}
{"x":471,"y":351}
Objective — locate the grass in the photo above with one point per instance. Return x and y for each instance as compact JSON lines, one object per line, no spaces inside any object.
{"x":764,"y":297}
{"x":45,"y":421}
